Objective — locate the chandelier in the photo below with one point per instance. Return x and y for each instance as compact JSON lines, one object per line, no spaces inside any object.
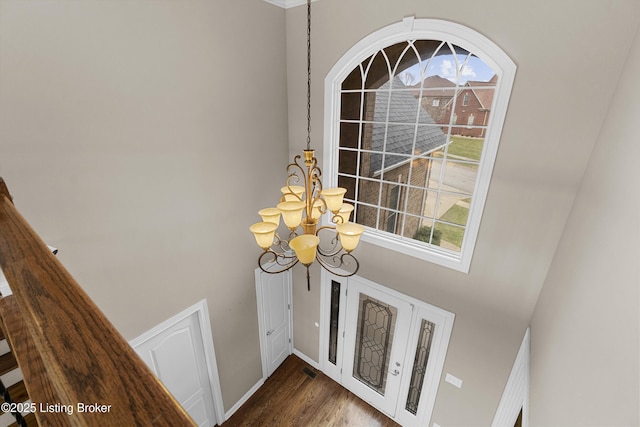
{"x":302,"y":205}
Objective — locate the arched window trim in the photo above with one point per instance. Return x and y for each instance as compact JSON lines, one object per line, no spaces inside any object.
{"x":410,"y":29}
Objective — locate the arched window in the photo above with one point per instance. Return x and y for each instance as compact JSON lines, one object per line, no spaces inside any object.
{"x":418,"y":181}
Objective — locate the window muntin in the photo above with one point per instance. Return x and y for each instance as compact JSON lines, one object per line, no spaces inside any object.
{"x":407,"y":168}
{"x":382,"y":117}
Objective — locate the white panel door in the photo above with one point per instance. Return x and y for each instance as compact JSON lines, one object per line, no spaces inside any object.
{"x":274,"y":290}
{"x":176,"y":356}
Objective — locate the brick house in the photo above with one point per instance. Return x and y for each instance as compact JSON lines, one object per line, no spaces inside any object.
{"x":390,"y":154}
{"x":472,"y":104}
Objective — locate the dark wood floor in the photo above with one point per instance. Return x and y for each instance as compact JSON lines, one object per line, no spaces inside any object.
{"x":290,"y":397}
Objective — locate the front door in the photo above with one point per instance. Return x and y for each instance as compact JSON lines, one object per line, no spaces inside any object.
{"x":386,"y":347}
{"x":376,"y":334}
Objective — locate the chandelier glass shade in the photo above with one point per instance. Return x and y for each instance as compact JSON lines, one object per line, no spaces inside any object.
{"x":301,"y":208}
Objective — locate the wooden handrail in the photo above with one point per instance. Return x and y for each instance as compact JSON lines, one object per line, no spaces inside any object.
{"x":69,"y":352}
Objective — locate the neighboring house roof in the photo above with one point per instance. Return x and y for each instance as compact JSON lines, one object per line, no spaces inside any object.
{"x":399,"y":128}
{"x":436,"y":87}
{"x":485,"y":96}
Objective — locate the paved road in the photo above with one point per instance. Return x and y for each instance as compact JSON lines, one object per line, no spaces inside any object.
{"x":458,"y":177}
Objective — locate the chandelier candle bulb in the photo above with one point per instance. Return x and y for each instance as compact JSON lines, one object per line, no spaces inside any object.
{"x":264,"y":233}
{"x":305,"y":248}
{"x":333,"y":197}
{"x":349,"y":235}
{"x":291,"y":213}
{"x":270,"y":215}
{"x":292,"y":193}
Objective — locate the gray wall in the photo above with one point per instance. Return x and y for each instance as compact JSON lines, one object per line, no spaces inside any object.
{"x":586,"y":327}
{"x":131,"y":133}
{"x":567,"y":74}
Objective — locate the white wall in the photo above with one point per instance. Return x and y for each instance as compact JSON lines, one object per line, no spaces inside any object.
{"x":585,"y":332}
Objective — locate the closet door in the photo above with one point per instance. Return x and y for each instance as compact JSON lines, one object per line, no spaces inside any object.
{"x":375,"y":342}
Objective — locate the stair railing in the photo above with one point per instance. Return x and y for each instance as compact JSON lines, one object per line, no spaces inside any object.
{"x":77,"y":368}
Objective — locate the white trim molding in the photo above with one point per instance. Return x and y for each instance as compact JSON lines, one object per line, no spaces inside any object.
{"x":306,"y":359}
{"x":244,"y":399}
{"x":516,"y":393}
{"x":286,"y":4}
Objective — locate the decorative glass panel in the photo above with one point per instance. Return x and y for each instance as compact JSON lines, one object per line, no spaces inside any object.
{"x":419,"y":366}
{"x":374,"y":337}
{"x":333,"y":321}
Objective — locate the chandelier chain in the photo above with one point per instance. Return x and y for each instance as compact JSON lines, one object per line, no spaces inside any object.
{"x":301,"y":208}
{"x":308,"y":74}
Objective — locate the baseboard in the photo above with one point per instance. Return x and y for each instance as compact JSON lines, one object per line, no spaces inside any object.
{"x":243,"y":399}
{"x":306,"y":358}
{"x":259,"y":384}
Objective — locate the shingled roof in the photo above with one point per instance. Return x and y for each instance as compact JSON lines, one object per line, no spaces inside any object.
{"x":485,"y":97}
{"x":395,"y":134}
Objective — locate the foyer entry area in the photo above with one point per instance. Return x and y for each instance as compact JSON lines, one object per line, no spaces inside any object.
{"x":298,"y":395}
{"x":384,"y":346}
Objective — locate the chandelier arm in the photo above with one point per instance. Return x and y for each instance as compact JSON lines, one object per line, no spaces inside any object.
{"x":282,"y":244}
{"x":315,"y":175}
{"x":335,"y":242}
{"x":273,"y":262}
{"x":336,"y":264}
{"x":294,"y":177}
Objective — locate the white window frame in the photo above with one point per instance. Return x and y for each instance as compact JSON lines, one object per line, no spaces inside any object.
{"x":410,"y":29}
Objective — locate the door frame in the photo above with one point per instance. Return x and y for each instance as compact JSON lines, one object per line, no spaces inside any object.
{"x":201,"y":310}
{"x":262,"y":328}
{"x":515,"y":396}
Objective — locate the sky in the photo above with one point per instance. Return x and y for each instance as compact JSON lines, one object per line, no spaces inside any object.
{"x":445,"y":66}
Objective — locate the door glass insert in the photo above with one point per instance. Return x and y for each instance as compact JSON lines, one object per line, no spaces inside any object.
{"x":419,"y":365}
{"x":374,"y":338}
{"x":333,"y":321}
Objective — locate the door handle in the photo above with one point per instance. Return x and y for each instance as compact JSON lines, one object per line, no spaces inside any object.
{"x":270,"y":332}
{"x":395,"y":372}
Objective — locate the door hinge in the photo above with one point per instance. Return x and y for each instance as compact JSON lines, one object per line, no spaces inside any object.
{"x":288,"y":306}
{"x":342,"y":334}
{"x":289,"y":340}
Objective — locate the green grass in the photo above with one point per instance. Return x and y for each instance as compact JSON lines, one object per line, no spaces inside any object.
{"x":470,"y":148}
{"x":456,"y":214}
{"x":450,"y":233}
